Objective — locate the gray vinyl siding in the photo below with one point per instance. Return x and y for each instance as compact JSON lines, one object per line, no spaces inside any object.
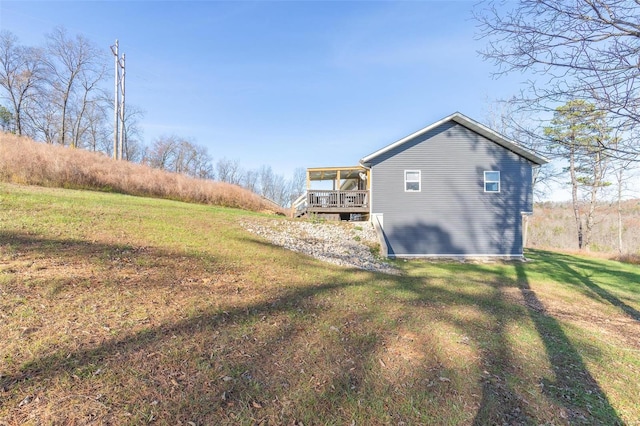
{"x":451,"y":215}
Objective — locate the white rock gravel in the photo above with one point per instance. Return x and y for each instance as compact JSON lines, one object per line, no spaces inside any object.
{"x":341,"y":243}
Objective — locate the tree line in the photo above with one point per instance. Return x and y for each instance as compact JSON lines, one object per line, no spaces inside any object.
{"x":55,"y":93}
{"x":580,"y":105}
{"x":180,"y":155}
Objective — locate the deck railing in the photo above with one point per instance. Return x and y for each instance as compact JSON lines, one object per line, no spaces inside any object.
{"x":327,"y":199}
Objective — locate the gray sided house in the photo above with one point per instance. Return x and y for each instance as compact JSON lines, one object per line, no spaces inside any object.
{"x":453,"y":189}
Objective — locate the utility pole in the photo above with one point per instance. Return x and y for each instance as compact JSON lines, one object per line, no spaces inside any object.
{"x":118,"y":103}
{"x":122,"y":133}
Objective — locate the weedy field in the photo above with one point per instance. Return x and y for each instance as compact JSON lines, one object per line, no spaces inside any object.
{"x":27,"y":162}
{"x":123,"y":310}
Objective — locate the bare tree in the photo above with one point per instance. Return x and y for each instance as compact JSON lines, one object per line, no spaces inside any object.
{"x":250,"y":180}
{"x":95,"y":131}
{"x":282,"y":191}
{"x":162,"y":151}
{"x":56,"y":93}
{"x":622,"y":172}
{"x":134,"y":150}
{"x":180,"y":155}
{"x":274,"y":186}
{"x":278,"y":190}
{"x":229,"y":171}
{"x":200,"y":165}
{"x":73,"y":64}
{"x":265,"y":182}
{"x":298,"y":184}
{"x":42,"y":118}
{"x":266,"y":179}
{"x":583,"y":49}
{"x":21,"y":72}
{"x":86,"y":101}
{"x":186,"y":156}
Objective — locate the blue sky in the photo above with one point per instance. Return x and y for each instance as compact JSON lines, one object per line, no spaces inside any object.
{"x":284,"y":83}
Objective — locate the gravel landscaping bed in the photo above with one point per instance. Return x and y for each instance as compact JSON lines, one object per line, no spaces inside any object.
{"x":342,"y":243}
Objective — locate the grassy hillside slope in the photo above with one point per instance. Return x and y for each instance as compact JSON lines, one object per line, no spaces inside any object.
{"x":123,"y":310}
{"x":25,"y":161}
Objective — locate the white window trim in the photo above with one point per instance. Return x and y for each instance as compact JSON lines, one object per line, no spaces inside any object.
{"x":492,"y":181}
{"x":419,"y":181}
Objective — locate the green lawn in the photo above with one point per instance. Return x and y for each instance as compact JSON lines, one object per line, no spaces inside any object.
{"x":126,"y":310}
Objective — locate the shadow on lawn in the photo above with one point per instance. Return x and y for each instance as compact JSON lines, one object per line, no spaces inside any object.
{"x":574,"y":387}
{"x":136,"y":353}
{"x":139,"y":359}
{"x":502,"y":400}
{"x":567,"y":273}
{"x":290,"y":364}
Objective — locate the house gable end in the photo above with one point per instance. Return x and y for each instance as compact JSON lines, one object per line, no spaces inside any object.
{"x":451,"y":213}
{"x":467,"y":123}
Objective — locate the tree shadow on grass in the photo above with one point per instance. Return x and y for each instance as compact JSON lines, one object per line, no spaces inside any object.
{"x":140,"y":354}
{"x":574,"y":386}
{"x":500,"y":400}
{"x":567,"y":273}
{"x":290,"y":353}
{"x":300,"y":344}
{"x":503,"y":400}
{"x":236,"y":378}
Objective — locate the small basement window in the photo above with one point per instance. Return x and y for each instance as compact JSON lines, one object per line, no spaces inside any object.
{"x":491,"y":181}
{"x":412,"y":181}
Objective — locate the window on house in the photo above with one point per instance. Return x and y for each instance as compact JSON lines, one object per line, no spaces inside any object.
{"x":491,"y":181}
{"x":412,"y":180}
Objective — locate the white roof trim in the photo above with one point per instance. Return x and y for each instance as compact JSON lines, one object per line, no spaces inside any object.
{"x":472,"y":125}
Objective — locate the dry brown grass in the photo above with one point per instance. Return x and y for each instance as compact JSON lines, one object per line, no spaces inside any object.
{"x":24,"y":161}
{"x":634,"y":259}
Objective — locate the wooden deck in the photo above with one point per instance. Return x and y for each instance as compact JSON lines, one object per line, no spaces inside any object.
{"x":327,"y":201}
{"x":334,"y":202}
{"x":347,"y":198}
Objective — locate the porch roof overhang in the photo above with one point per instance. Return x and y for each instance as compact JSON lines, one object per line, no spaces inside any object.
{"x":332,"y":173}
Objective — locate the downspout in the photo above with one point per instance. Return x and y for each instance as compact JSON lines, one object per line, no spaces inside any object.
{"x":535,"y":170}
{"x":374,"y":218}
{"x":384,"y":250}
